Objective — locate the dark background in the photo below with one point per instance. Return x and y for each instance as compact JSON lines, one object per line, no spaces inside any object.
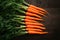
{"x":52,"y":22}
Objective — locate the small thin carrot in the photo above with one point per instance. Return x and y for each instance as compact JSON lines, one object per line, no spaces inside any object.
{"x":32,"y":14}
{"x":32,"y":10}
{"x":41,"y":9}
{"x":30,"y":20}
{"x":32,"y":29}
{"x":27,"y":20}
{"x":28,"y":17}
{"x":36,"y":11}
{"x":29,"y":23}
{"x":36,"y":32}
{"x":34,"y":26}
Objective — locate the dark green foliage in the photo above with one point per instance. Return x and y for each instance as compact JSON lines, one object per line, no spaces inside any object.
{"x":8,"y":19}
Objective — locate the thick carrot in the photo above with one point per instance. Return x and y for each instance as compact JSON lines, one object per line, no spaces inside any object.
{"x":32,"y":29}
{"x":32,"y":14}
{"x":41,"y":9}
{"x":34,"y":26}
{"x":36,"y":32}
{"x":29,"y":23}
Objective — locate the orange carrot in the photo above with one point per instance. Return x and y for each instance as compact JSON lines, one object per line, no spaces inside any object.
{"x":27,"y":20}
{"x":41,"y":9}
{"x":36,"y":32}
{"x":34,"y":26}
{"x":32,"y":29}
{"x":28,"y":17}
{"x":29,"y":23}
{"x":32,"y":10}
{"x":32,"y":22}
{"x":32,"y":14}
{"x":36,"y":10}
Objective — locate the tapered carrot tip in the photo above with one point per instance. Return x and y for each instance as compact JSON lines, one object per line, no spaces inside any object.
{"x":36,"y":32}
{"x":43,"y":15}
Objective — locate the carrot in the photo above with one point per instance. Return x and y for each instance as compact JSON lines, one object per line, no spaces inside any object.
{"x":36,"y":32}
{"x":32,"y":10}
{"x":27,"y":20}
{"x":30,"y":20}
{"x":32,"y":14}
{"x":28,"y":17}
{"x":32,"y":29}
{"x":41,"y":9}
{"x":34,"y":26}
{"x":36,"y":12}
{"x":29,"y":23}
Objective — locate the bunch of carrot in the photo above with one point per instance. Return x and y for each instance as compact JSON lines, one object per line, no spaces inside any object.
{"x":18,"y":17}
{"x":32,"y":16}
